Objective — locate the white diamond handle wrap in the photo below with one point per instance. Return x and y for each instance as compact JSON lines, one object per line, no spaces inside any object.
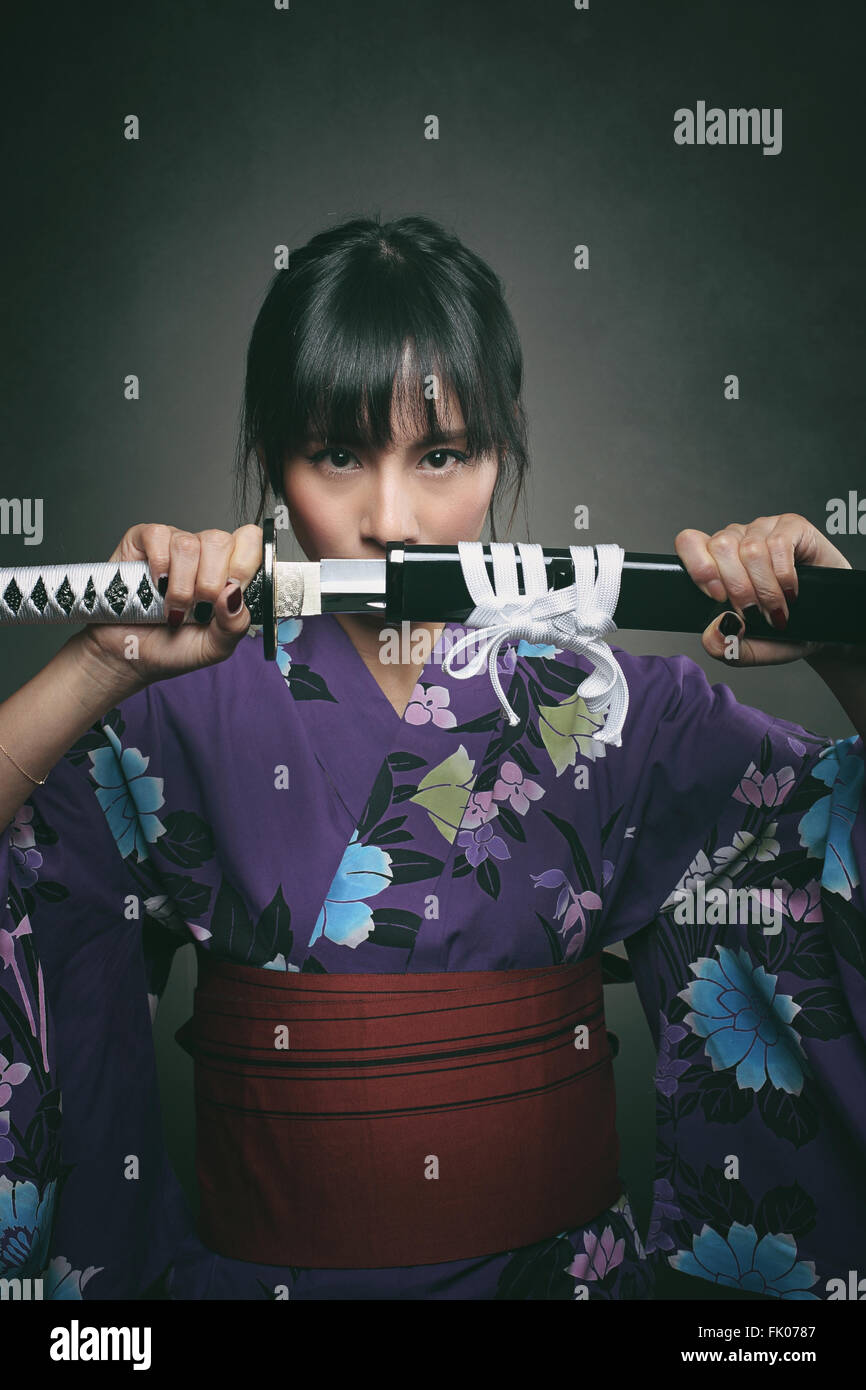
{"x":577,"y":617}
{"x":116,"y":591}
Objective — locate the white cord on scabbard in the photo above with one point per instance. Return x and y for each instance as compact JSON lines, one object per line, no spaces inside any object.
{"x":578,"y":617}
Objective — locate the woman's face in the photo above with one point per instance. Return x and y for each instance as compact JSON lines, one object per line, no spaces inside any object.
{"x":349,"y":501}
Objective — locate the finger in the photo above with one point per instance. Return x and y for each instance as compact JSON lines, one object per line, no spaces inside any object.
{"x":782,"y":544}
{"x":757,"y":561}
{"x":724,"y":547}
{"x":691,"y":547}
{"x":156,"y":542}
{"x":185,"y":550}
{"x":213,"y":570}
{"x":148,"y":541}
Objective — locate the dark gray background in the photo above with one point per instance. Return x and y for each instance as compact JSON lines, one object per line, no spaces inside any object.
{"x":260,"y":127}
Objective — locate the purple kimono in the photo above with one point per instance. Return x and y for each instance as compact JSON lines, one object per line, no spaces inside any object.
{"x":282,"y":815}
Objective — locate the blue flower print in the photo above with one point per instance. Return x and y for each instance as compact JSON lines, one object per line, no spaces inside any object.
{"x":765,"y":1266}
{"x":287,"y":630}
{"x":364,"y":871}
{"x":279,"y":962}
{"x":536,"y":648}
{"x":62,"y":1282}
{"x":25,"y":1227}
{"x":128,"y":798}
{"x":825,"y":829}
{"x":745,"y":1022}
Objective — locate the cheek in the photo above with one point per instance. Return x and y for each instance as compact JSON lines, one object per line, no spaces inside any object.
{"x":466,"y":504}
{"x":314,"y":514}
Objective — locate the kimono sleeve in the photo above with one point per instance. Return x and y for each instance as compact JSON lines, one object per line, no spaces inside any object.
{"x":751,"y":970}
{"x":88,"y":1202}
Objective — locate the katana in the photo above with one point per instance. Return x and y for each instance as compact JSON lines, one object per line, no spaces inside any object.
{"x":425,"y":583}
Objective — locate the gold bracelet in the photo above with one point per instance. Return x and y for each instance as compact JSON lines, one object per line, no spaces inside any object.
{"x":37,"y":781}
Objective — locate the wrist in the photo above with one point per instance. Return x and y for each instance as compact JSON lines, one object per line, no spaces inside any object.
{"x":111,"y":679}
{"x":837,"y":657}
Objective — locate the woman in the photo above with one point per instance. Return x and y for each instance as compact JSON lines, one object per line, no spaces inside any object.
{"x":336,"y":822}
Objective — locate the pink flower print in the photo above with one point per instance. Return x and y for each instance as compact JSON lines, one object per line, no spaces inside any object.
{"x":11,"y":1074}
{"x":481,"y":844}
{"x":798,"y":904}
{"x":7,"y":940}
{"x":512,"y":786}
{"x":7,"y":1148}
{"x":669,"y":1069}
{"x":430,"y":706}
{"x":574,"y":914}
{"x":757,"y":790}
{"x":506,"y":661}
{"x":663,"y":1208}
{"x":479,"y":808}
{"x":571,"y":903}
{"x":9,"y":962}
{"x":598,"y":1256}
{"x":22,"y":839}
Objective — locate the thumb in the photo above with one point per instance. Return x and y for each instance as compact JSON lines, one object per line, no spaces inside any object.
{"x":722,"y":639}
{"x":231,"y":619}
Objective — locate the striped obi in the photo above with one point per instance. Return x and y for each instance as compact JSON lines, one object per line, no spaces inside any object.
{"x":368,"y":1121}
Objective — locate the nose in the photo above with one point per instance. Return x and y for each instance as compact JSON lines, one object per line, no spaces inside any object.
{"x":389,"y":513}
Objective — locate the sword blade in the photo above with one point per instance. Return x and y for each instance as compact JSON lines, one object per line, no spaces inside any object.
{"x":329,"y":586}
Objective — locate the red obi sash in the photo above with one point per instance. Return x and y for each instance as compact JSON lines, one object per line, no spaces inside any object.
{"x":368,"y":1121}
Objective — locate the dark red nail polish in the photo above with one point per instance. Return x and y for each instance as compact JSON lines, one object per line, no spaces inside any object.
{"x":175,"y":617}
{"x":778,"y":619}
{"x":730,"y":625}
{"x":234,"y":600}
{"x":790,"y":594}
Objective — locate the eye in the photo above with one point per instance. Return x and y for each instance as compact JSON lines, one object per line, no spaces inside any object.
{"x":338,"y":459}
{"x":448,"y":454}
{"x":332,"y":452}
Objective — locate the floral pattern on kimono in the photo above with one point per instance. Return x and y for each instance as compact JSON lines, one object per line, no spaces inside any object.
{"x":283,"y":815}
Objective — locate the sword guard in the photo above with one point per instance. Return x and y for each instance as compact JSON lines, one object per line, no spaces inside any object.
{"x":267,"y":605}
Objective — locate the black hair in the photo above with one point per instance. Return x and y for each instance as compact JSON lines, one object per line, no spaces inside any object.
{"x":326,"y":354}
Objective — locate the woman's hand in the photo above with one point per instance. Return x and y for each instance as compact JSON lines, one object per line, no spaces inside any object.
{"x":208,"y":568}
{"x":754,"y":564}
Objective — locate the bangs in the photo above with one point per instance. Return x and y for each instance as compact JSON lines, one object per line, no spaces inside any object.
{"x":378,"y":395}
{"x":381,"y":362}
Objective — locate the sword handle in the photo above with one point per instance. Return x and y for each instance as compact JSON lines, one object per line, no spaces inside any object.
{"x":118,"y":591}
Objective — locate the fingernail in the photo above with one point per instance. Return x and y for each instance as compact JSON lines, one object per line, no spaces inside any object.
{"x":235,"y":599}
{"x":203,"y":611}
{"x":731,"y":624}
{"x":790,"y":594}
{"x":162,"y":585}
{"x":175,"y":617}
{"x":778,"y":618}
